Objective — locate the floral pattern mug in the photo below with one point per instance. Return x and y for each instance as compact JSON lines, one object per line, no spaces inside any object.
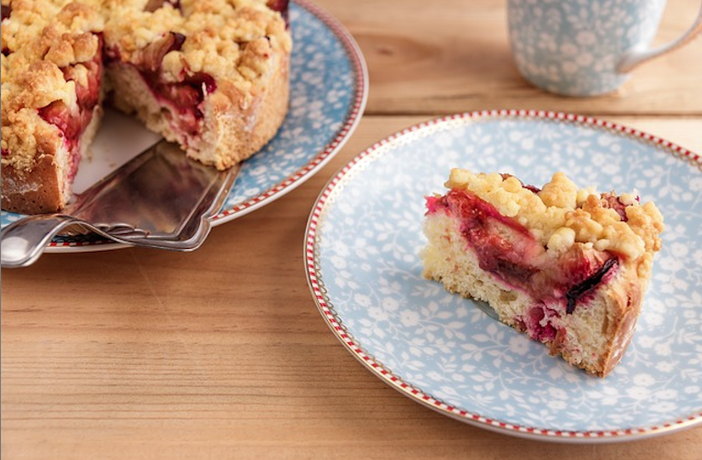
{"x":586,"y":47}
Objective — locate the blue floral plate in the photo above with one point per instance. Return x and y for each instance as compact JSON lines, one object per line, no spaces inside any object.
{"x":328,"y":92}
{"x":363,"y":240}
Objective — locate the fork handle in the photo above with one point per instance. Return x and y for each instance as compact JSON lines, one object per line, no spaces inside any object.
{"x":22,"y":242}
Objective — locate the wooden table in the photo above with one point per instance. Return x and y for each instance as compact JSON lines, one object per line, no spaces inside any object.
{"x":221,"y":353}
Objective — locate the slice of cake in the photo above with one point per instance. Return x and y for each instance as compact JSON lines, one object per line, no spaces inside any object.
{"x":567,"y":266}
{"x":211,"y":75}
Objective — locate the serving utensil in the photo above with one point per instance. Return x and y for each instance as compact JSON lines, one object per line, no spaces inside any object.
{"x":159,"y":199}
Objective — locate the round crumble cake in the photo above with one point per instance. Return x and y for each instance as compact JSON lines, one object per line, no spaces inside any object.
{"x":211,"y":75}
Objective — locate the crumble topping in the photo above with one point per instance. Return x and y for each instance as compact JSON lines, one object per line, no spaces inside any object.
{"x":561,"y":214}
{"x":223,"y":38}
{"x":44,"y":46}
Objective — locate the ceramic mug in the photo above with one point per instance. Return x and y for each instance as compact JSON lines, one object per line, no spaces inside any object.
{"x":586,"y":47}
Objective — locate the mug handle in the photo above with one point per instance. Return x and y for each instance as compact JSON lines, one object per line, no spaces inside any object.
{"x":635,"y":57}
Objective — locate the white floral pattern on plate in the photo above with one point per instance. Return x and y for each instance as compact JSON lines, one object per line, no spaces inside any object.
{"x":363,"y":240}
{"x":329,"y":88}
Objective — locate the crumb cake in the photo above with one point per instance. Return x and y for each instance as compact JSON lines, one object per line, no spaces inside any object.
{"x":211,"y":75}
{"x":567,"y":266}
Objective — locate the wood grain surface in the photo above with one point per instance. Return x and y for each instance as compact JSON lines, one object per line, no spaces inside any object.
{"x":221,"y":353}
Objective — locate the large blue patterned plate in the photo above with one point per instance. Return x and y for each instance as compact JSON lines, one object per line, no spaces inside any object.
{"x":363,"y":240}
{"x":328,"y":92}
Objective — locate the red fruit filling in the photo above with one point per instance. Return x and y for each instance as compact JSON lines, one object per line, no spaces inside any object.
{"x":611,"y":201}
{"x":507,"y":249}
{"x":534,"y":323}
{"x":184,"y":97}
{"x":152,"y":55}
{"x":153,"y":5}
{"x":73,"y":125}
{"x":588,"y":285}
{"x":532,"y":188}
{"x":510,"y":259}
{"x":280,"y":6}
{"x":6,"y":12}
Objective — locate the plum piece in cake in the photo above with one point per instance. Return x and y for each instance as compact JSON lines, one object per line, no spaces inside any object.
{"x":567,"y":266}
{"x":281,"y":6}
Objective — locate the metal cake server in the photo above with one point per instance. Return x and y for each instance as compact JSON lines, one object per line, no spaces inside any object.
{"x":486,"y":308}
{"x":159,"y":199}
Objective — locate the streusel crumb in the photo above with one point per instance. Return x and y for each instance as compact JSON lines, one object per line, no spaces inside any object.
{"x":561,"y":214}
{"x":223,"y":38}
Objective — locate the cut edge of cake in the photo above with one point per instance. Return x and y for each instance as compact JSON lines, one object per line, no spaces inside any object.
{"x":49,"y":187}
{"x":231,"y":132}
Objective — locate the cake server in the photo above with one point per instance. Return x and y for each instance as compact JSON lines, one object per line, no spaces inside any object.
{"x":159,"y":199}
{"x":486,"y":308}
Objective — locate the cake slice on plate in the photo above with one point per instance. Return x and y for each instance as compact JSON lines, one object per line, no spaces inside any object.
{"x":567,"y":266}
